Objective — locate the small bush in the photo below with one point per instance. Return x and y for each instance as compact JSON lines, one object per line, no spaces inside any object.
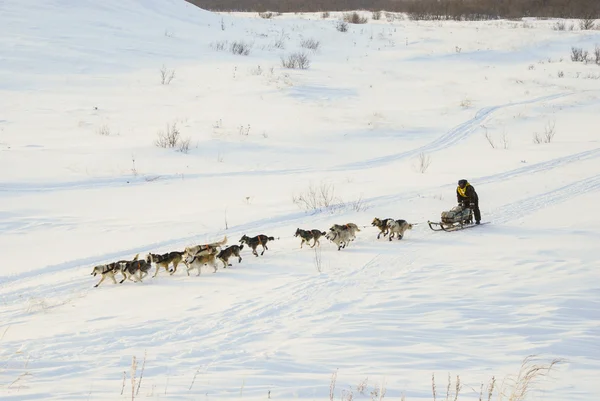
{"x":559,"y":26}
{"x":166,"y":75}
{"x":423,"y":163}
{"x":355,"y":18}
{"x":184,"y":145}
{"x":548,"y":135}
{"x":311,"y":44}
{"x":342,"y":26}
{"x":597,"y":54}
{"x":376,"y":15}
{"x":295,"y":61}
{"x":586,"y":24}
{"x":104,"y":130}
{"x":325,"y":14}
{"x":267,"y":15}
{"x":549,"y":132}
{"x":315,"y":198}
{"x":219,"y":46}
{"x":578,"y":54}
{"x":169,"y":138}
{"x":466,"y":103}
{"x":240,"y":48}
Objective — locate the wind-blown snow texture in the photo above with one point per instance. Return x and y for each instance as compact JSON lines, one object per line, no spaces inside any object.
{"x":472,"y":303}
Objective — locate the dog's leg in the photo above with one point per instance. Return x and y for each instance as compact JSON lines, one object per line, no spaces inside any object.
{"x":101,"y":280}
{"x":156,"y":272}
{"x":124,"y":277}
{"x":254,"y":252}
{"x":112,"y":276}
{"x":175,"y":264}
{"x":214,"y":265}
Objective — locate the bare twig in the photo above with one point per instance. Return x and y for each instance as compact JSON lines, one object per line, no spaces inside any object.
{"x":194,"y":379}
{"x":141,"y":374}
{"x":332,"y":385}
{"x":124,"y":379}
{"x":133,"y":370}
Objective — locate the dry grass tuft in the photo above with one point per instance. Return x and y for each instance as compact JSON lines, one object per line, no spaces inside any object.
{"x":530,"y":372}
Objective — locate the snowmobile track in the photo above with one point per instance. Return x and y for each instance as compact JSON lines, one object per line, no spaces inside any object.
{"x":449,"y":139}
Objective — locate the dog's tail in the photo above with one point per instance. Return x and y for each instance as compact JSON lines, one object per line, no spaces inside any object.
{"x":271,"y":238}
{"x":224,"y":241}
{"x":241,"y":247}
{"x":323,"y":233}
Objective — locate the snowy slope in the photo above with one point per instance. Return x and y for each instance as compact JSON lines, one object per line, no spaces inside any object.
{"x":82,"y":183}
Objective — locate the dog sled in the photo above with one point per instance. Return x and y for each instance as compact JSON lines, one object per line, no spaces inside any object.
{"x":457,"y":218}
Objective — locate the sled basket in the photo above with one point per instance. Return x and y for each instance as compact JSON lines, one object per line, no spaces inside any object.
{"x":456,"y":215}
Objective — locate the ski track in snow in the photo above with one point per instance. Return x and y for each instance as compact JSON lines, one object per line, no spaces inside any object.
{"x":519,"y":209}
{"x":452,"y":137}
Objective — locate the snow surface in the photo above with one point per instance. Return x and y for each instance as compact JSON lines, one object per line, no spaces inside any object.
{"x":471,"y":303}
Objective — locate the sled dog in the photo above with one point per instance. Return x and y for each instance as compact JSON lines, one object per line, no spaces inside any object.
{"x":254,"y":242}
{"x":382,"y":225}
{"x":307,"y":235}
{"x":204,"y":248}
{"x":225,"y":254}
{"x":165,"y":260}
{"x":350,"y":227}
{"x":198,"y":260}
{"x":340,"y":238}
{"x":398,"y":227}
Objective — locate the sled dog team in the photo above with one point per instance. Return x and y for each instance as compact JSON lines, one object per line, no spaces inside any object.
{"x":195,"y":257}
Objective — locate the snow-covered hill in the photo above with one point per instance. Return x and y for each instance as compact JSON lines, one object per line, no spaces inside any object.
{"x":385,"y":120}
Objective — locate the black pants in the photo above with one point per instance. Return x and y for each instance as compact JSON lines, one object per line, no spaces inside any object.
{"x":475,"y":208}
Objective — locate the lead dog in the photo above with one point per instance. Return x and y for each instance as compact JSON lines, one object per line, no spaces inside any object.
{"x":254,"y":242}
{"x":107,"y":270}
{"x":382,"y":225}
{"x":225,"y":254}
{"x":307,"y":235}
{"x":398,"y":227}
{"x":200,"y":259}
